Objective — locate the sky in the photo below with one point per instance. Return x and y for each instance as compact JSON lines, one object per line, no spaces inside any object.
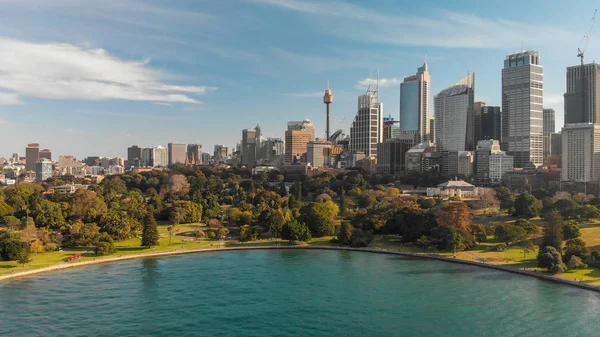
{"x":92,"y":77}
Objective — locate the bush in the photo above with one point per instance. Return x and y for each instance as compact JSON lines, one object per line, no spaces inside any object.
{"x":455,"y":198}
{"x":295,"y":231}
{"x":527,"y":225}
{"x":200,"y":234}
{"x":361,"y":238}
{"x":51,"y":247}
{"x":500,"y":248}
{"x":576,"y":263}
{"x":104,"y":248}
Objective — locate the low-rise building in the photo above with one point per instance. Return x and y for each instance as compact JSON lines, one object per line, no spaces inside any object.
{"x":454,"y":188}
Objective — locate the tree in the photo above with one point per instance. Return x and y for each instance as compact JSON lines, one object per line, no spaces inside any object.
{"x":575,"y":262}
{"x":567,"y":208}
{"x":86,"y":206}
{"x":360,"y":238}
{"x":527,"y":246}
{"x":105,"y":245}
{"x":553,"y":231}
{"x":550,"y":258}
{"x":575,"y":247}
{"x":185,"y":212}
{"x":318,"y":216}
{"x":275,"y":221}
{"x":36,"y":246}
{"x":170,"y":230}
{"x":487,"y":199}
{"x":527,"y":206}
{"x":222,"y":233}
{"x":456,"y":243}
{"x":49,"y":214}
{"x":5,"y":209}
{"x":510,"y":233}
{"x":345,"y":234}
{"x":454,"y":215}
{"x":295,"y":231}
{"x":588,"y":212}
{"x":528,"y":226}
{"x":571,"y":230}
{"x":23,"y":256}
{"x":245,"y":233}
{"x":10,"y":245}
{"x":81,"y":235}
{"x":178,"y":184}
{"x":505,"y":197}
{"x":150,"y":233}
{"x":423,"y":242}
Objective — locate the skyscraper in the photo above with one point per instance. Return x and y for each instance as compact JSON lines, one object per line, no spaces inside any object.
{"x":176,"y":153}
{"x":582,"y":104}
{"x":580,"y":152}
{"x":491,"y":123}
{"x":367,"y":129}
{"x":32,"y":154}
{"x":134,"y":156}
{"x":297,"y":137}
{"x":477,"y":121}
{"x":46,"y":153}
{"x":317,"y":153}
{"x":454,"y":116}
{"x":548,"y":129}
{"x":415,"y":96}
{"x":391,"y":128}
{"x":194,"y":154}
{"x":258,"y":141}
{"x":220,"y":153}
{"x":522,"y":106}
{"x":249,"y":146}
{"x":147,"y":158}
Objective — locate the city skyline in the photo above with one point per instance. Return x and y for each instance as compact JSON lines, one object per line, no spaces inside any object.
{"x":158,"y":46}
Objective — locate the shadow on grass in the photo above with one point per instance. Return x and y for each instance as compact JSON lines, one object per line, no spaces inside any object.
{"x":7,"y":266}
{"x":589,"y":225}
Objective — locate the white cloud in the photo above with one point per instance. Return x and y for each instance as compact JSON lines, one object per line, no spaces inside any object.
{"x":442,"y":29}
{"x":9,"y":99}
{"x":306,"y":94}
{"x":383,"y":82}
{"x":66,"y":71}
{"x":162,"y":103}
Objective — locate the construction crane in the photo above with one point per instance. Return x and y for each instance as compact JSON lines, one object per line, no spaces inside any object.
{"x":586,"y":39}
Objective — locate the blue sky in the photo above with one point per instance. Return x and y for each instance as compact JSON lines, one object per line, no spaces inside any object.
{"x":87,"y":77}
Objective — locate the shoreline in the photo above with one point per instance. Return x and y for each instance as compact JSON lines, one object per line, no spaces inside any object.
{"x":539,"y":275}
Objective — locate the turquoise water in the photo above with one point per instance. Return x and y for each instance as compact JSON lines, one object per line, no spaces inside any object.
{"x":293,"y":293}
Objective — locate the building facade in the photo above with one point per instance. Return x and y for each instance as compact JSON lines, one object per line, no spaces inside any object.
{"x":548,"y":129}
{"x":317,"y":154}
{"x":134,"y":156}
{"x":43,"y":169}
{"x":580,"y":152}
{"x":194,"y":154}
{"x":522,"y":108}
{"x":248,"y":146}
{"x":366,"y":130}
{"x":32,"y":154}
{"x":583,"y":90}
{"x":220,"y":153}
{"x":297,"y":137}
{"x":491,"y":123}
{"x":391,"y":154}
{"x":477,"y":121}
{"x":176,"y":154}
{"x":499,"y":165}
{"x":46,"y":153}
{"x":415,"y":98}
{"x":454,"y":116}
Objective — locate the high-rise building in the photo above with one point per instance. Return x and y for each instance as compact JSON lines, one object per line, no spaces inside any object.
{"x":391,"y":154}
{"x":477,"y":121}
{"x":491,"y":123}
{"x":522,"y":108}
{"x":206,"y":158}
{"x":556,"y":144}
{"x":32,"y":154}
{"x":46,"y":153}
{"x":317,"y":153}
{"x":118,"y":161}
{"x":491,"y":163}
{"x":582,"y":99}
{"x":580,"y":152}
{"x":147,"y":158}
{"x":391,"y":128}
{"x":43,"y":169}
{"x":194,"y":154}
{"x":220,"y":153}
{"x":176,"y":153}
{"x":454,"y":116}
{"x":458,"y":163}
{"x":366,"y":130}
{"x":297,"y":137}
{"x":249,"y":147}
{"x":415,"y":97}
{"x":134,"y":156}
{"x":258,"y":142}
{"x":105,"y":161}
{"x":432,"y":129}
{"x":548,"y":130}
{"x":273,"y":147}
